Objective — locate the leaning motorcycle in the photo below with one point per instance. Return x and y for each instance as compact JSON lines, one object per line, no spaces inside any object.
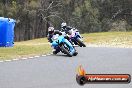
{"x":76,"y":38}
{"x":63,"y":45}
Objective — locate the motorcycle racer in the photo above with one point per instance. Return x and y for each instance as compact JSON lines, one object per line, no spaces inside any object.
{"x":73,"y":35}
{"x":51,"y":33}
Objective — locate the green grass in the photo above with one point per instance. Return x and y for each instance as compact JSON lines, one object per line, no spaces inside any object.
{"x":109,"y":38}
{"x":25,"y":49}
{"x":41,"y":46}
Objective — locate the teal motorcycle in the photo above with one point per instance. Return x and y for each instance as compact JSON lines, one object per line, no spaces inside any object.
{"x":63,"y":45}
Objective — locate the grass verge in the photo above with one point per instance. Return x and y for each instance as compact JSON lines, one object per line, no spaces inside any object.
{"x":41,"y":46}
{"x":25,"y":49}
{"x":120,"y":39}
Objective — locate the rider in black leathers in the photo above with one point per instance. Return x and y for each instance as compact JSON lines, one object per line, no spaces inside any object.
{"x":67,"y":30}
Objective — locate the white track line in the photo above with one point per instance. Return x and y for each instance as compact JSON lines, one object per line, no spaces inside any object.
{"x":30,"y":57}
{"x":7,"y":60}
{"x":43,"y":55}
{"x":24,"y":58}
{"x":1,"y":61}
{"x":15,"y":59}
{"x":36,"y":56}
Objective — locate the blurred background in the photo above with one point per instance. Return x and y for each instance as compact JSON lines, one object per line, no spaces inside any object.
{"x":33,"y":17}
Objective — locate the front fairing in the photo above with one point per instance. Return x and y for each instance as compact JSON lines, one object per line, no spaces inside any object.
{"x":61,"y":40}
{"x":76,"y":36}
{"x":57,"y":39}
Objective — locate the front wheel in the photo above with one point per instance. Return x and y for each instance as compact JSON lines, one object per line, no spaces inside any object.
{"x":65,"y":51}
{"x":75,"y":54}
{"x":81,"y":44}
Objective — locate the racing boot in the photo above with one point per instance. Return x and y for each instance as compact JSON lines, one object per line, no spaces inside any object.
{"x":55,"y":51}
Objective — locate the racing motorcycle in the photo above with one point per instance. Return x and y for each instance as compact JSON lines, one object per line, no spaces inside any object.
{"x":75,"y":37}
{"x":63,"y":45}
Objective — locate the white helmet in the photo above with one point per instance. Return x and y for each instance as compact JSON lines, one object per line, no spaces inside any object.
{"x":63,"y":24}
{"x":50,"y":30}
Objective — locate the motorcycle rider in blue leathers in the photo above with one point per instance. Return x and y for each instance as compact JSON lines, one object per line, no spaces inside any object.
{"x":52,"y":32}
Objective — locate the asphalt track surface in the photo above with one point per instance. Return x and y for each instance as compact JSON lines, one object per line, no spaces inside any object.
{"x":60,"y":71}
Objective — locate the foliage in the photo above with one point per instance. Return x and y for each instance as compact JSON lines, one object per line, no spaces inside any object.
{"x":34,"y":16}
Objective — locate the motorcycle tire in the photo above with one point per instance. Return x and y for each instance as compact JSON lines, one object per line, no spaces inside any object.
{"x":65,"y":51}
{"x":75,"y":54}
{"x":81,"y":44}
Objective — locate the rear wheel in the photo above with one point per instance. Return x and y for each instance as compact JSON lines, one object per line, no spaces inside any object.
{"x":81,"y":44}
{"x":65,"y":51}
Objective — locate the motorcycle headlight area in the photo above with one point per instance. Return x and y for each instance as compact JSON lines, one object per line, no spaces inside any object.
{"x":55,"y":37}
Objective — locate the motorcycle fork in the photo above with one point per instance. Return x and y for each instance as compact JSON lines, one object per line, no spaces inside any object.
{"x":64,"y":46}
